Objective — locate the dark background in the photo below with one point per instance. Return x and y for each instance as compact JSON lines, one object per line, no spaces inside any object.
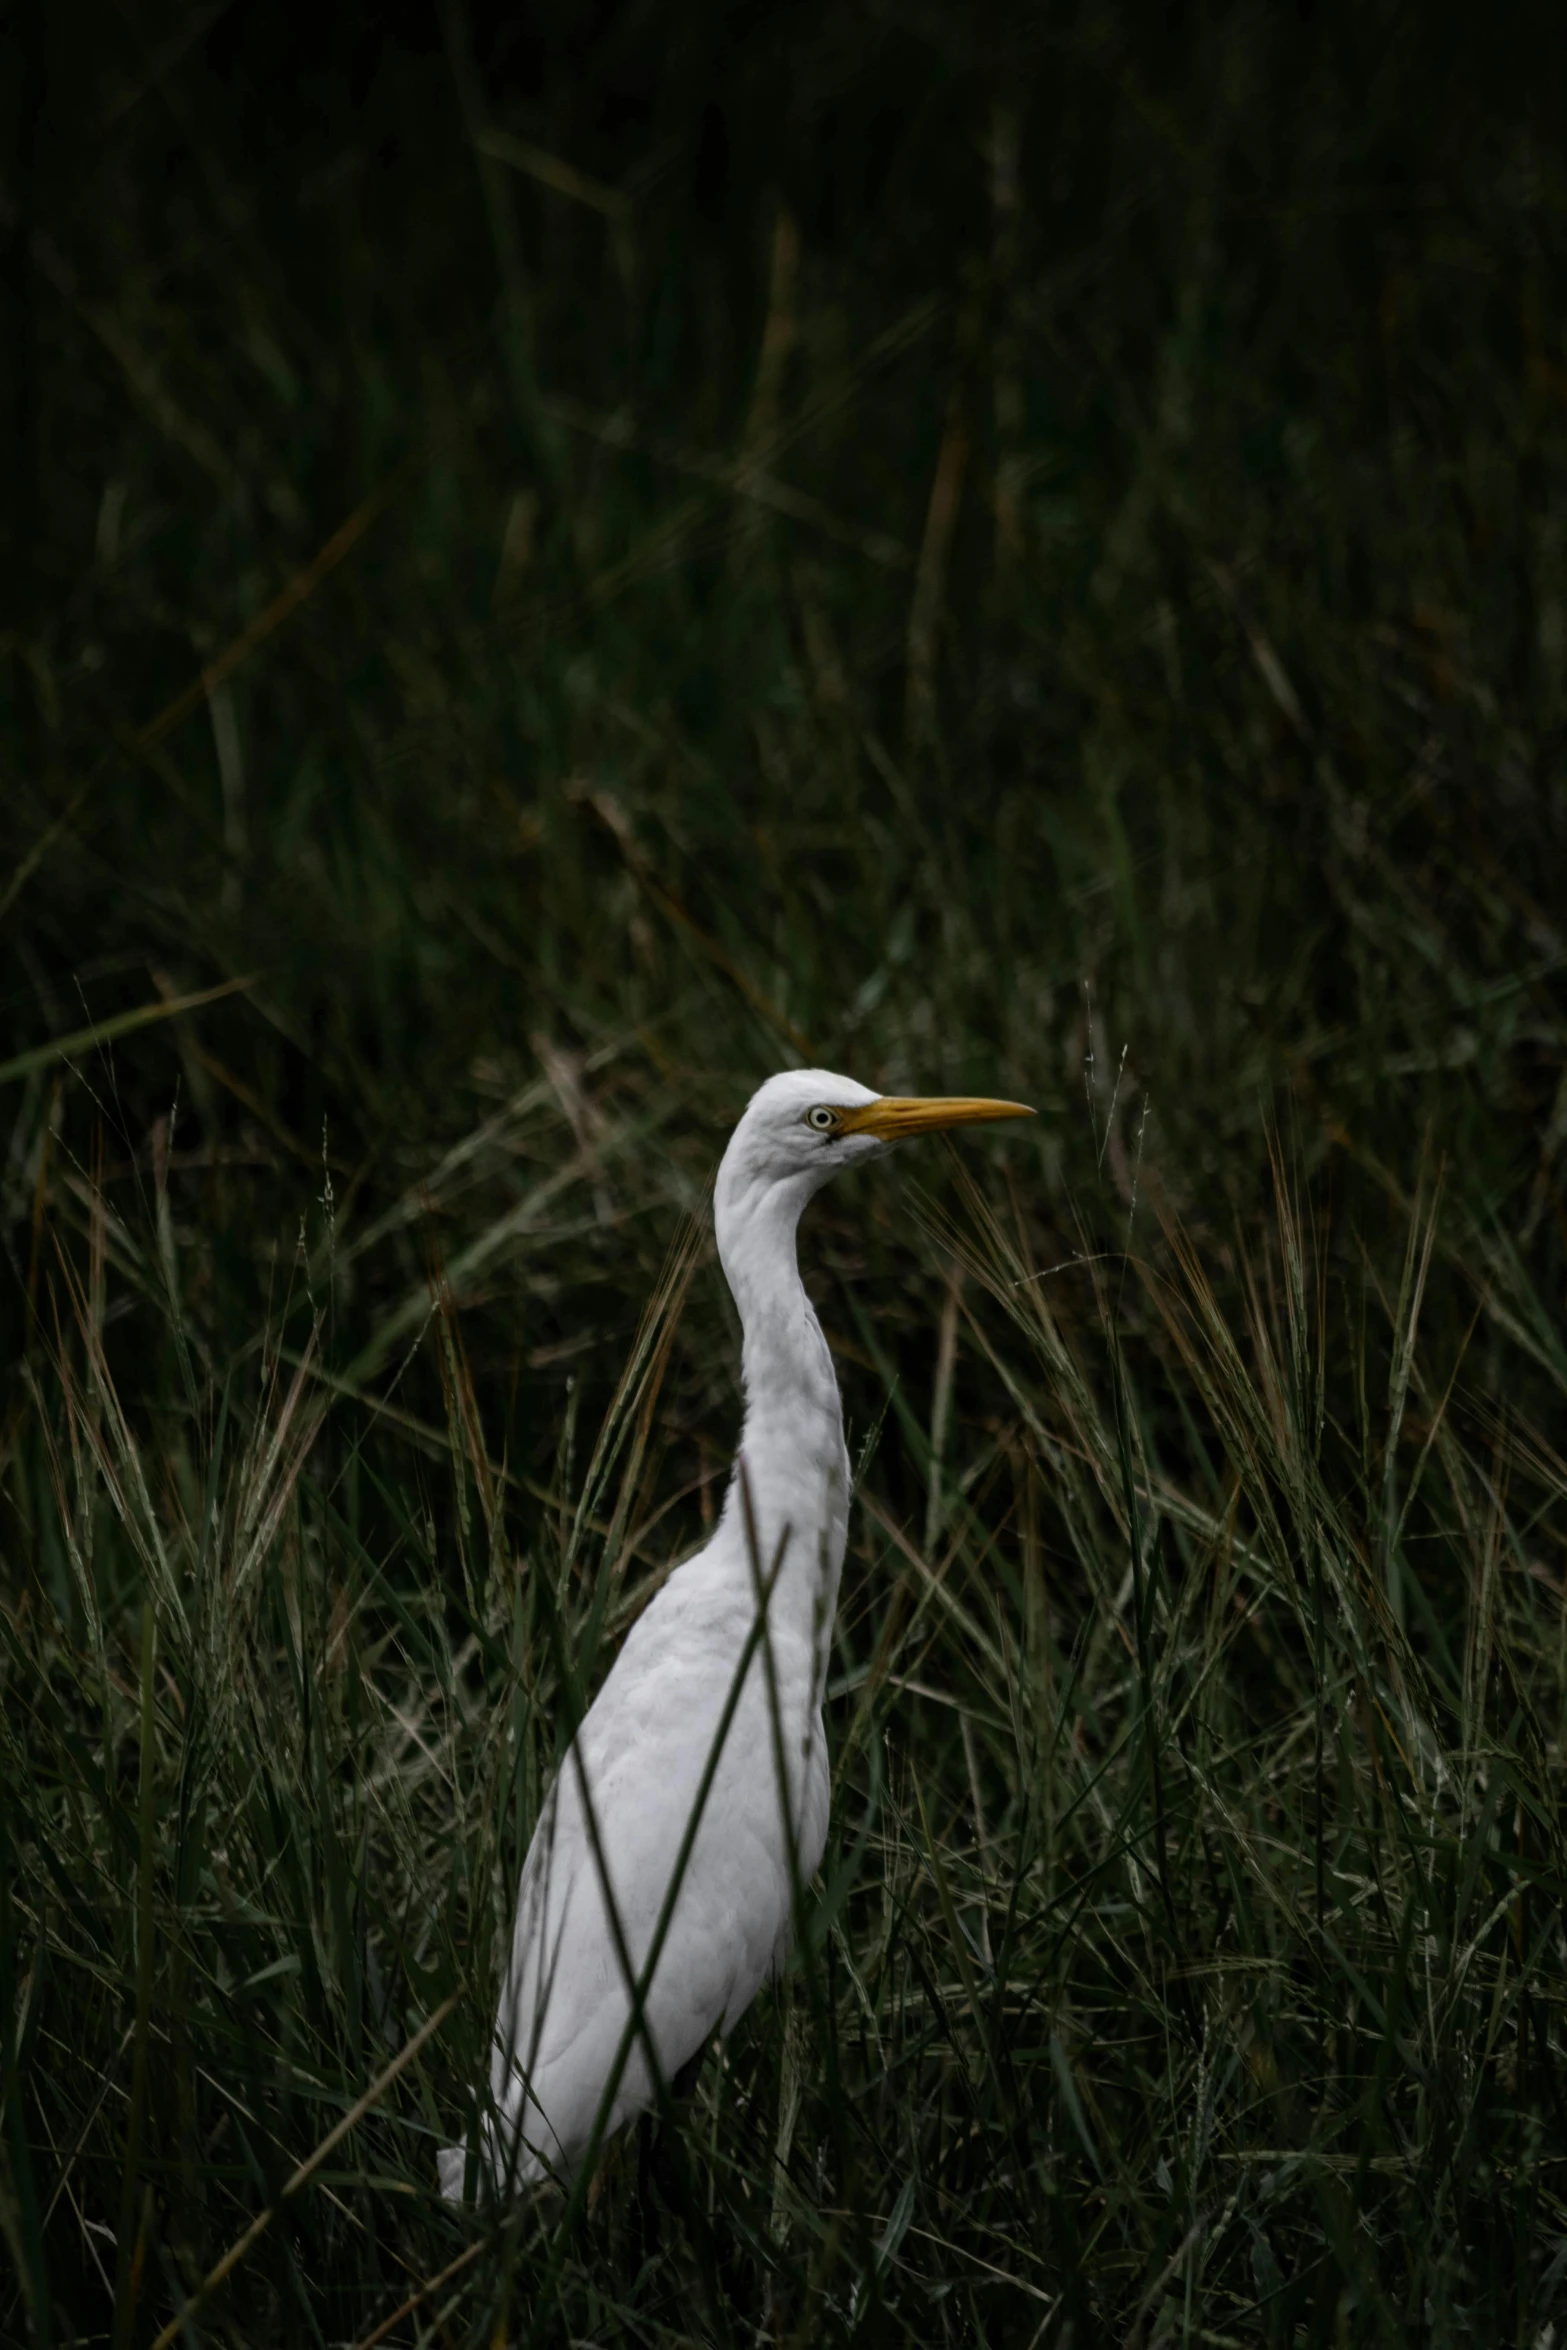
{"x":1248,"y":344}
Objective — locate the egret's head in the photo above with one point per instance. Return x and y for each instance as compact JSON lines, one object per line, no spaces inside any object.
{"x":801,"y":1127}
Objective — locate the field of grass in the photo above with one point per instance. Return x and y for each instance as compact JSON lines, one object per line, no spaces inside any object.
{"x":558,"y":561}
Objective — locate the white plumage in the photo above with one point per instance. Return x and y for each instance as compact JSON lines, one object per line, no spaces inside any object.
{"x":645,"y":1742}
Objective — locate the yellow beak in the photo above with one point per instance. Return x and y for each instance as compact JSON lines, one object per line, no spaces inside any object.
{"x":892,"y":1117}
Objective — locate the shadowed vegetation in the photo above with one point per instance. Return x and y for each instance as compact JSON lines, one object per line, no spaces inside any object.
{"x":556,"y":562}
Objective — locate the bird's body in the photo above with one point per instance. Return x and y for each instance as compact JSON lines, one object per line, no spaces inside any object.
{"x":644,"y":1746}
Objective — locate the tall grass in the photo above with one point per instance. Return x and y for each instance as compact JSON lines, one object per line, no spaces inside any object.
{"x":553,"y":571}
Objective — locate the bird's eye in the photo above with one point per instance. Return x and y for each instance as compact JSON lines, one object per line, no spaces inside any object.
{"x":823,"y":1119}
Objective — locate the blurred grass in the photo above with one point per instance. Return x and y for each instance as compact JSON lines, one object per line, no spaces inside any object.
{"x":553,"y":566}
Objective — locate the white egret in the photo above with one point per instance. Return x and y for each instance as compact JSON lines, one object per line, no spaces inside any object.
{"x":628,"y":1803}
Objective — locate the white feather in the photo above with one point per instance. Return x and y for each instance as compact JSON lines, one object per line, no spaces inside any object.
{"x":644,"y":1744}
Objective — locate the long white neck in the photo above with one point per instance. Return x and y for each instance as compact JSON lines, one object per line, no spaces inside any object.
{"x":792,"y":1457}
